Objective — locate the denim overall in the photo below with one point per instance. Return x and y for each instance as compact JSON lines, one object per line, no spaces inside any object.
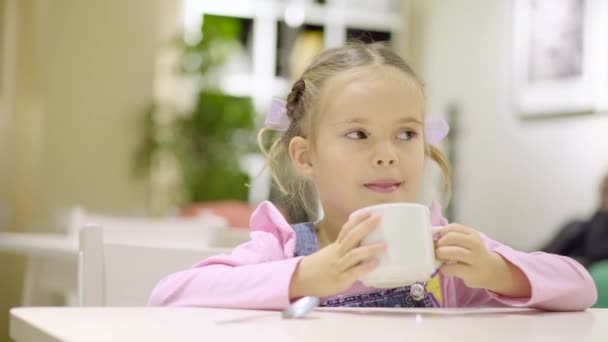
{"x":306,"y":244}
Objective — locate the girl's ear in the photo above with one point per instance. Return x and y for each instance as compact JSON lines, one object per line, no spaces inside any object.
{"x":300,"y":153}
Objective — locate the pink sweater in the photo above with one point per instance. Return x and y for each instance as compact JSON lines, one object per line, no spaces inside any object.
{"x":257,"y":275}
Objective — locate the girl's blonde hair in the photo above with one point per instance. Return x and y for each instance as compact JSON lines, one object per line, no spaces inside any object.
{"x":301,"y":108}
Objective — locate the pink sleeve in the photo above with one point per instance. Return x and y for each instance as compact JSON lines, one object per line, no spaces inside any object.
{"x":558,"y":283}
{"x":256,"y":275}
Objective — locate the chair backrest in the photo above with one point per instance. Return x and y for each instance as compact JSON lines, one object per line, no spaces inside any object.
{"x":121,"y":266}
{"x":77,"y":217}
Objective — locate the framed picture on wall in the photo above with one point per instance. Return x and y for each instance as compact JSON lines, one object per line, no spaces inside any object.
{"x":560,"y":56}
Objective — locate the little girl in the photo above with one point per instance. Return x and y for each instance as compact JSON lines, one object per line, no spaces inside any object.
{"x":353,"y":135}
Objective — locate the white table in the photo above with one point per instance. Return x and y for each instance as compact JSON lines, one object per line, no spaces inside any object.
{"x":342,"y":325}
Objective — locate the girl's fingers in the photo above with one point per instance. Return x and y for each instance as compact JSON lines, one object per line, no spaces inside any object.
{"x":454,"y":238}
{"x":454,"y":253}
{"x":352,"y":222}
{"x":455,"y":270}
{"x":357,"y":272}
{"x":354,"y":236}
{"x":361,"y":255}
{"x":454,"y":227}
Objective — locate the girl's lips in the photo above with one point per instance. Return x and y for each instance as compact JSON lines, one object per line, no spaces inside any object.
{"x":383,"y":187}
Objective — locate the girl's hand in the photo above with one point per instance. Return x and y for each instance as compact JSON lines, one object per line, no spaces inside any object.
{"x":338,"y":266}
{"x":465,"y":256}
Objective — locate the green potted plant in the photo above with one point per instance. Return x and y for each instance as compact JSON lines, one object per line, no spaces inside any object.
{"x":209,"y":141}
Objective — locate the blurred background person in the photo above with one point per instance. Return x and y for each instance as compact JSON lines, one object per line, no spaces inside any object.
{"x":585,"y":240}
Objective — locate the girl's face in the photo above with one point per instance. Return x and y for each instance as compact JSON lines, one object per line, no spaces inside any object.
{"x":368,"y":146}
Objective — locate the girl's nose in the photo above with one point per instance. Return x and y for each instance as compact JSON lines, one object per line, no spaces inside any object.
{"x":385,"y":161}
{"x":385,"y":156}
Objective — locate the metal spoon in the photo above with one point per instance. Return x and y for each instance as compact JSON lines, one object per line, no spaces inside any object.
{"x":301,"y":307}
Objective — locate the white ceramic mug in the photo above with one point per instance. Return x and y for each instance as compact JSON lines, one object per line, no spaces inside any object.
{"x":410,"y":257}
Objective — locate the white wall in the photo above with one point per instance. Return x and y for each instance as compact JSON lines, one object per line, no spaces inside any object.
{"x":517,"y":180}
{"x":84,"y":74}
{"x":8,"y":25}
{"x":97,"y":79}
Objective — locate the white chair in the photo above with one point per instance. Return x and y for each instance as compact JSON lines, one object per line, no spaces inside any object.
{"x":121,"y":266}
{"x":51,"y":276}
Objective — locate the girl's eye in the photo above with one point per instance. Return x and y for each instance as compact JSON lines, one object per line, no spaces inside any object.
{"x":407,"y":135}
{"x":357,"y":135}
